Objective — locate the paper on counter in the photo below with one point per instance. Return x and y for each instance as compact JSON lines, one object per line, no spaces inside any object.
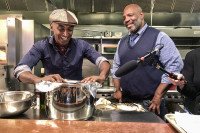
{"x":190,"y":123}
{"x":46,"y":86}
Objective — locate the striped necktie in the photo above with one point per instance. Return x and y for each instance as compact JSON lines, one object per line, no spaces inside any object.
{"x":133,"y":37}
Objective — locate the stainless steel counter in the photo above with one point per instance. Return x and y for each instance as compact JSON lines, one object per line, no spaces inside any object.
{"x":115,"y":116}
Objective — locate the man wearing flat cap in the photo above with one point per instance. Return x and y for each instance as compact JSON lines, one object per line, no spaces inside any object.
{"x":61,"y":55}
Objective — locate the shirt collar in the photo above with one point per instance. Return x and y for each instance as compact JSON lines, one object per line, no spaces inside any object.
{"x":52,"y":42}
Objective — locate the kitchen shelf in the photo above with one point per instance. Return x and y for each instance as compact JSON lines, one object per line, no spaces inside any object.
{"x":188,"y":45}
{"x":111,"y":37}
{"x":98,"y":40}
{"x":101,"y":40}
{"x":98,"y":37}
{"x":89,"y":37}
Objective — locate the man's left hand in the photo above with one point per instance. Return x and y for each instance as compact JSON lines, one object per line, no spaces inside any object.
{"x":99,"y":79}
{"x":155,"y":104}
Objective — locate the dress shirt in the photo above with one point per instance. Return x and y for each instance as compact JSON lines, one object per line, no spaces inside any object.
{"x":132,"y":39}
{"x":68,"y":65}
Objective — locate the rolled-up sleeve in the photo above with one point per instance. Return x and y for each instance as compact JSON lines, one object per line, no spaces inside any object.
{"x":99,"y":60}
{"x":169,"y":56}
{"x":20,"y":69}
{"x":29,"y":60}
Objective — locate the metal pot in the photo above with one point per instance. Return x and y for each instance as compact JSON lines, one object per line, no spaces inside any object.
{"x":69,"y":102}
{"x":68,"y":98}
{"x":13,"y":103}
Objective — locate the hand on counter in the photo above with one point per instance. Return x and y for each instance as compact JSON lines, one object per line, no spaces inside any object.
{"x":99,"y":79}
{"x":104,"y":71}
{"x":118,"y":96}
{"x":28,"y":77}
{"x":53,"y":78}
{"x":155,"y":104}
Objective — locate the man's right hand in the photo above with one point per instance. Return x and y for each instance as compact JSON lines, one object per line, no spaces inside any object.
{"x":53,"y":78}
{"x":29,"y":78}
{"x":178,"y":82}
{"x":118,"y":95}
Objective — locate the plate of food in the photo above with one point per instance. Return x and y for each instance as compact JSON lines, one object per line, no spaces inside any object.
{"x":130,"y":107}
{"x":104,"y":104}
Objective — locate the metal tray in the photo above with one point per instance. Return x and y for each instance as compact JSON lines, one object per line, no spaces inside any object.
{"x":171,"y":119}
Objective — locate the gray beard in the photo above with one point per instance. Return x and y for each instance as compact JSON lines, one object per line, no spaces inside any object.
{"x":137,"y":27}
{"x":134,"y":31}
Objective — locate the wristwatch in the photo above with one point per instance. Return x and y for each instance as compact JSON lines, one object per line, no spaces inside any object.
{"x":115,"y":90}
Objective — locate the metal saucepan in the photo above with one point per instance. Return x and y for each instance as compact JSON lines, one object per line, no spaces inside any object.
{"x":70,"y":102}
{"x":69,"y":97}
{"x":13,"y":103}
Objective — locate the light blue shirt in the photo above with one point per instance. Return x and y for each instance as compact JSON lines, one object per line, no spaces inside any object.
{"x":169,"y":55}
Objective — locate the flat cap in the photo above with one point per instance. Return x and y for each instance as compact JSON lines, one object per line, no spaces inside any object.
{"x":63,"y":16}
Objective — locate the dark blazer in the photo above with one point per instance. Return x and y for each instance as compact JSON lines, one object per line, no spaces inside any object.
{"x":191,"y":72}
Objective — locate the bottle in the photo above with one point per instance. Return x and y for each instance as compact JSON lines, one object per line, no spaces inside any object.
{"x":42,"y":72}
{"x":42,"y":94}
{"x":38,"y":101}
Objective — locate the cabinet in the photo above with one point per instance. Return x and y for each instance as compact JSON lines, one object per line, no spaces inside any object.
{"x":104,"y":45}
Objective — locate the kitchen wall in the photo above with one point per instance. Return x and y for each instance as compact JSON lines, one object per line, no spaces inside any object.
{"x":12,"y":34}
{"x":19,"y":37}
{"x":32,"y":32}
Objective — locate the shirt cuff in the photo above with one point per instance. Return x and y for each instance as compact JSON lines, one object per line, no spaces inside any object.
{"x":20,"y":69}
{"x":99,"y":60}
{"x":164,"y":79}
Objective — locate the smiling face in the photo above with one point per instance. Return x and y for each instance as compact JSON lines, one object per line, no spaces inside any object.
{"x":133,"y":18}
{"x":62,"y":33}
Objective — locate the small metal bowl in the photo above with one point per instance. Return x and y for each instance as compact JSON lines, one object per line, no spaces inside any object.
{"x":13,"y":103}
